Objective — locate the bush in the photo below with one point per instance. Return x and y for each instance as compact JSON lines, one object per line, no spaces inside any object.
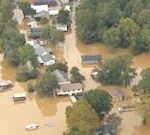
{"x":31,"y":87}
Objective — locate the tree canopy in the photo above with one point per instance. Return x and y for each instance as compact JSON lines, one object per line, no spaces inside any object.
{"x":99,"y":100}
{"x":79,"y":123}
{"x":116,"y":71}
{"x":116,"y":23}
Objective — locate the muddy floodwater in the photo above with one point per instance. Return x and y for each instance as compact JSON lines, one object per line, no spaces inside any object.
{"x":49,"y":112}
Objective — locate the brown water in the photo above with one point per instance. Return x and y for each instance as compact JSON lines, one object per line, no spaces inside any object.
{"x":42,"y":110}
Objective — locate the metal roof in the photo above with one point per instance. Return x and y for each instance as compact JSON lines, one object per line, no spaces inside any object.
{"x":91,"y":58}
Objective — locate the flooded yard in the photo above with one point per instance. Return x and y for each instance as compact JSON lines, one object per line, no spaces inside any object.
{"x":49,"y":112}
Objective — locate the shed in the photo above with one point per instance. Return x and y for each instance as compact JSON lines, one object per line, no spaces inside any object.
{"x":34,"y":33}
{"x":62,"y":27}
{"x":117,"y":94}
{"x":90,"y":59}
{"x":39,"y":8}
{"x":62,"y":77}
{"x":42,"y":15}
{"x":44,"y":2}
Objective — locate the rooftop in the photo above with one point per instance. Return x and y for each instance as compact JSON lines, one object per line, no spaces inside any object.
{"x":44,"y":2}
{"x":71,"y":86}
{"x":91,"y":58}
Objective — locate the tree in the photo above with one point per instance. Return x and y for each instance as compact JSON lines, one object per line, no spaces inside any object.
{"x":58,"y":66}
{"x":143,"y":90}
{"x":26,"y":54}
{"x":64,"y":17}
{"x":112,"y":37}
{"x":26,"y":8}
{"x":51,"y":34}
{"x":12,"y":57}
{"x":128,"y":29}
{"x":141,"y":41}
{"x":47,"y":84}
{"x":99,"y":100}
{"x":76,"y":77}
{"x":79,"y":123}
{"x":116,"y":71}
{"x":24,"y":73}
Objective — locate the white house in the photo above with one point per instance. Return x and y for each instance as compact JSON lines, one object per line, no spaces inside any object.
{"x":39,"y":8}
{"x":70,"y":89}
{"x":53,"y":11}
{"x":62,"y":27}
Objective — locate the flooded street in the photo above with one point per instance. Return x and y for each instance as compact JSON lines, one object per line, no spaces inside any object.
{"x":48,"y":112}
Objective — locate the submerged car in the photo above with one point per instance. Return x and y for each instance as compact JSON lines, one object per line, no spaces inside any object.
{"x":32,"y":126}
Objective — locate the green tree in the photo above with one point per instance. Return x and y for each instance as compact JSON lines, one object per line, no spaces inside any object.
{"x":100,"y":101}
{"x":128,"y":29}
{"x":58,"y":66}
{"x":64,"y":17}
{"x":26,"y":8}
{"x":51,"y":34}
{"x":47,"y":84}
{"x":76,"y":77}
{"x":112,"y":37}
{"x":26,"y":54}
{"x":79,"y":123}
{"x":116,"y":71}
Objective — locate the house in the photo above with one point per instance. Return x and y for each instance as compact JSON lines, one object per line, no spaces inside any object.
{"x":62,"y":77}
{"x":34,"y":33}
{"x":70,"y":89}
{"x":46,"y":59}
{"x":65,"y":1}
{"x":91,"y":59}
{"x":53,"y":11}
{"x":61,"y":27}
{"x":44,"y":2}
{"x":44,"y":56}
{"x":39,"y":8}
{"x":41,"y":15}
{"x":117,"y":94}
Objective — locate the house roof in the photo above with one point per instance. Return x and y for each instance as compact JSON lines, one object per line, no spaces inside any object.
{"x":34,"y":32}
{"x":117,"y":93}
{"x":46,"y":57}
{"x":42,"y":14}
{"x":91,"y":58}
{"x":39,"y":50}
{"x":39,"y":8}
{"x":44,"y":2}
{"x":71,"y":86}
{"x":61,"y":76}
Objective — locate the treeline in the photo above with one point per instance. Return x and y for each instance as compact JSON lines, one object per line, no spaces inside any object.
{"x":117,"y":23}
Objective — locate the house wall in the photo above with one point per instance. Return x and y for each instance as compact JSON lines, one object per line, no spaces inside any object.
{"x":69,"y":93}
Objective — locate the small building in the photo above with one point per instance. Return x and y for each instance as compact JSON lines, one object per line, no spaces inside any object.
{"x":5,"y":84}
{"x":41,"y":15}
{"x":46,"y":59}
{"x":68,"y":8}
{"x":53,"y":11}
{"x":70,"y":89}
{"x":61,"y":27}
{"x":19,"y":96}
{"x":44,"y":56}
{"x":62,"y":77}
{"x":40,"y":8}
{"x":34,"y":33}
{"x":44,"y":2}
{"x":117,"y":94}
{"x":91,"y":59}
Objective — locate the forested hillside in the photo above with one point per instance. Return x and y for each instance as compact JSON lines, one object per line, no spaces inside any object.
{"x":117,"y":23}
